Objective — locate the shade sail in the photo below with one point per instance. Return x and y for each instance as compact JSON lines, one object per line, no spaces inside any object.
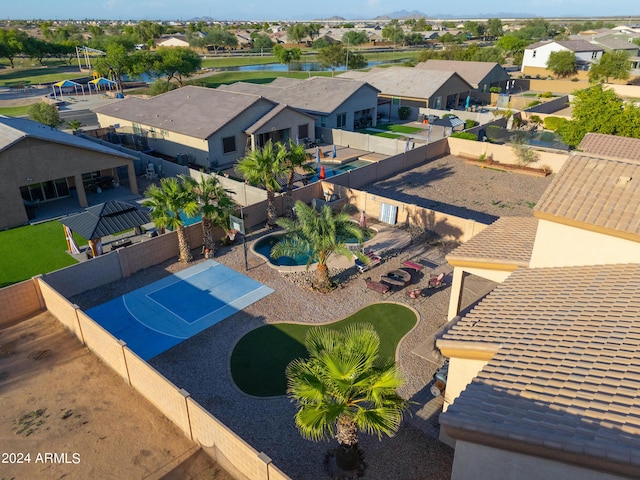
{"x":106,"y":219}
{"x":66,"y":83}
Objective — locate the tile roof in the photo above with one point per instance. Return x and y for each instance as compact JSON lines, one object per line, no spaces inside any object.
{"x":472,"y":72}
{"x":595,"y":194}
{"x":507,"y":241}
{"x":270,"y":115}
{"x":14,"y":129}
{"x":611,"y":146}
{"x":567,"y":373}
{"x":195,"y":111}
{"x":321,"y":95}
{"x":573,"y":45}
{"x":407,"y":81}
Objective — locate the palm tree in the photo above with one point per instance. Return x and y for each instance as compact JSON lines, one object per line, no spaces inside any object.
{"x":295,"y":159}
{"x":215,"y":205}
{"x":343,"y":387}
{"x":321,"y":233}
{"x":165,"y":203}
{"x":262,"y":166}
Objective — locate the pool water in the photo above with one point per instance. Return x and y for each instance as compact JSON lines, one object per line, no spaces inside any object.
{"x":265,"y":245}
{"x":331,"y":169}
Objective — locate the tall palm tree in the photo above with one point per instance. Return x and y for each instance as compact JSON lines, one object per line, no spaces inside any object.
{"x":295,"y":159}
{"x":321,"y":233}
{"x":343,"y":387}
{"x":262,"y":167}
{"x":165,"y":203}
{"x":215,"y":205}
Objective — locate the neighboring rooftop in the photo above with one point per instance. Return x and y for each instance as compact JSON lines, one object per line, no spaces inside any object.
{"x":508,"y":242}
{"x":472,"y":72}
{"x":14,"y":129}
{"x":611,"y":146}
{"x":195,"y":111}
{"x":595,"y":194}
{"x":406,"y":81}
{"x":321,"y":95}
{"x":565,"y":375}
{"x":573,"y":45}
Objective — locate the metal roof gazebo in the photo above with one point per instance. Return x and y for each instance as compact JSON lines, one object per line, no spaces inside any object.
{"x":105,"y":219}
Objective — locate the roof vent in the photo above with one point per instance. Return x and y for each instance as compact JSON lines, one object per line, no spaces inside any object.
{"x":622,"y":181}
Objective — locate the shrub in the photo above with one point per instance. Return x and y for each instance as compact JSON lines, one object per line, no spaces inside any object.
{"x":403,"y":112}
{"x":469,"y":124}
{"x":495,"y":89}
{"x":464,"y":135}
{"x":448,"y":115}
{"x":554,"y":123}
{"x":535,"y":119}
{"x":545,"y":95}
{"x":532,"y":104}
{"x":160,"y":86}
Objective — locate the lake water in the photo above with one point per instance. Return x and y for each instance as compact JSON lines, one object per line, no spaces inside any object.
{"x":296,"y":67}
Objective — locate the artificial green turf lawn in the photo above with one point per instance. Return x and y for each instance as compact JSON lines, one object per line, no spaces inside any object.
{"x":260,"y":358}
{"x":398,"y":128}
{"x":33,"y":249}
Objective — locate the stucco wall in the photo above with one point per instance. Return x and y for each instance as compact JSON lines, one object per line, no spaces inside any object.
{"x":479,"y":462}
{"x":461,"y":372}
{"x":561,"y":245}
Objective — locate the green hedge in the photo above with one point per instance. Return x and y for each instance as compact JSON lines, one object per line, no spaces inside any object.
{"x":465,"y":135}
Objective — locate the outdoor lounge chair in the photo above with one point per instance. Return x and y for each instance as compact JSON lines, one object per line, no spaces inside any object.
{"x":435,"y":281}
{"x":373,"y":261}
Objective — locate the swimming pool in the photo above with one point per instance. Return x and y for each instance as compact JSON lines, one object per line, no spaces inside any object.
{"x":331,"y":169}
{"x":263,"y":248}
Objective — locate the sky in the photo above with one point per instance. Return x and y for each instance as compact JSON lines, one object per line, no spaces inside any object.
{"x":297,"y":10}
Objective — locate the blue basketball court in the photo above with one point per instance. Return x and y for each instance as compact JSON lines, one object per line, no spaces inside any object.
{"x":163,"y":314}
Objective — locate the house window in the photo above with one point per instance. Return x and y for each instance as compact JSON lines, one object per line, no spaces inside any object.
{"x":534,"y":54}
{"x":229,"y":144}
{"x":137,"y":128}
{"x":323,"y":121}
{"x":594,"y":55}
{"x":341,"y":120}
{"x":303,"y":130}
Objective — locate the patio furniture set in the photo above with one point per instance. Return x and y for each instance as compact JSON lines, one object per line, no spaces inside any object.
{"x":398,"y":278}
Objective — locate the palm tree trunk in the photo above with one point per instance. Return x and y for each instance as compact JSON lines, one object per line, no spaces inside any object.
{"x":322,"y":277}
{"x":183,"y":246}
{"x":271,"y":209}
{"x":207,"y":235}
{"x":289,"y":197}
{"x":347,"y":457}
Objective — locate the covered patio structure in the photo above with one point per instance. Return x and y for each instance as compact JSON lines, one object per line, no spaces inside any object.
{"x":105,"y":219}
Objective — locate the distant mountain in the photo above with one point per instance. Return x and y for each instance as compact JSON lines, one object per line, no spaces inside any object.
{"x":401,"y":15}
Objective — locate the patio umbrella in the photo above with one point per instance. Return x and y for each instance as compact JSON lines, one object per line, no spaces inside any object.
{"x":406,"y":145}
{"x":318,"y":155}
{"x":322,"y":174}
{"x":334,"y":152}
{"x":468,"y":102}
{"x":71,"y":243}
{"x":363,"y":220}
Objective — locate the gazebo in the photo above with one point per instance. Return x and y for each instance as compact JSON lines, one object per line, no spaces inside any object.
{"x":102,"y":83}
{"x":66,"y":84}
{"x":105,"y":219}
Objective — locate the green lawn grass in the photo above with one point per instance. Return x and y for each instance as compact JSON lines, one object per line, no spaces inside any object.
{"x":398,"y":128}
{"x":262,"y":77}
{"x":33,"y":249}
{"x":260,"y":358}
{"x":17,"y":77}
{"x":16,"y":111}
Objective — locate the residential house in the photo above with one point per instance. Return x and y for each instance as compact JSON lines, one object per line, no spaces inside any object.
{"x":332,"y":102}
{"x":41,"y":164}
{"x":414,"y":87}
{"x":481,"y":75}
{"x":204,"y":126}
{"x":536,"y":56}
{"x":544,"y":371}
{"x":616,"y":40}
{"x":172,"y":41}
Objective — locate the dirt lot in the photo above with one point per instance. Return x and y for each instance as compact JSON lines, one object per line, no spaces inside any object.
{"x":59,"y":398}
